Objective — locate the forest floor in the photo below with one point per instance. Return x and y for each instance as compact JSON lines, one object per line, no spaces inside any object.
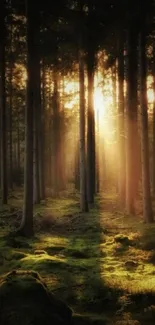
{"x":101,"y":263}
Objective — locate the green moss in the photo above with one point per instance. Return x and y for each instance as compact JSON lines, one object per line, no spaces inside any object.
{"x":25,"y":300}
{"x":89,"y":260}
{"x":79,"y":319}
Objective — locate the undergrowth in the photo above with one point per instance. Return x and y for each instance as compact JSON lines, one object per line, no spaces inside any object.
{"x":102,"y":263}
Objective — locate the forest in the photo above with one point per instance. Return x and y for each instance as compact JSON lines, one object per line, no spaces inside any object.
{"x":77,"y":162}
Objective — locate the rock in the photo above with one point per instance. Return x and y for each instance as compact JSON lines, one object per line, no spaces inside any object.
{"x":25,"y":300}
{"x":130,"y":264}
{"x":39,"y":252}
{"x":124,"y":240}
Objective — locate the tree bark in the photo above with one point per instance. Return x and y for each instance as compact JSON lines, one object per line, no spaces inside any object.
{"x":26,"y":227}
{"x":10,"y":111}
{"x":132,"y":173}
{"x":121,"y":126}
{"x":153,"y":143}
{"x":147,"y":204}
{"x":90,"y":129}
{"x":83,"y":185}
{"x":3,"y":134}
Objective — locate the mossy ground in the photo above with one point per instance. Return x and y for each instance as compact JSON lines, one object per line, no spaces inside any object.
{"x":102,"y":263}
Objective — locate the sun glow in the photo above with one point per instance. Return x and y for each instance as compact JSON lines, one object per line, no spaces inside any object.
{"x":150,"y":90}
{"x":99,"y":101}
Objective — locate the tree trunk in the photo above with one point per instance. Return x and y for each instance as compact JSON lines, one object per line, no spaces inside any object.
{"x":90,"y":129}
{"x":121,"y":130}
{"x":153,"y":143}
{"x":147,"y":205}
{"x":36,"y":188}
{"x":37,"y":128}
{"x":3,"y":105}
{"x":77,"y":165}
{"x":132,"y":174}
{"x":83,"y":185}
{"x":10,"y":112}
{"x":42,"y":143}
{"x":26,"y":227}
{"x":18,"y":149}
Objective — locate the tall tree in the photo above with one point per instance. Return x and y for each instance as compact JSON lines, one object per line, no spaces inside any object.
{"x":91,"y":116}
{"x":37,"y":114}
{"x":147,"y":206}
{"x":121,"y":128}
{"x":26,"y":227}
{"x":153,"y":143}
{"x":3,"y":104}
{"x":11,"y":63}
{"x":83,"y":184}
{"x":131,"y":120}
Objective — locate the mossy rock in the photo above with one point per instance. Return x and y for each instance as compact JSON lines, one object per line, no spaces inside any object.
{"x":40,"y":252}
{"x":122,"y":239}
{"x":131,"y":264}
{"x":25,"y":300}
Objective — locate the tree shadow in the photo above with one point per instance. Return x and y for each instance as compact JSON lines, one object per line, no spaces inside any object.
{"x":70,"y":257}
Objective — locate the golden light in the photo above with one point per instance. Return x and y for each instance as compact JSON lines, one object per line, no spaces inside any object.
{"x":150,"y":96}
{"x":150,"y":90}
{"x":99,"y":102}
{"x":71,"y":91}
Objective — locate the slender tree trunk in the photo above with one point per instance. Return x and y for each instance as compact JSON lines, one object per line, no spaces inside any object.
{"x":77,"y":165}
{"x":36,"y":189}
{"x":40,"y":132}
{"x":43,"y":129}
{"x":83,"y":185}
{"x":90,"y":129}
{"x":121,"y":128}
{"x":3,"y":105}
{"x":56,"y":130}
{"x":37,"y":126}
{"x":153,"y":143}
{"x":132,"y":174}
{"x":147,"y":205}
{"x":10,"y":113}
{"x":50,"y":158}
{"x":18,"y":148}
{"x":26,"y":227}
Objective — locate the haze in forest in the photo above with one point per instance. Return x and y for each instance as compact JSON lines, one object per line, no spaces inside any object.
{"x":77,"y":162}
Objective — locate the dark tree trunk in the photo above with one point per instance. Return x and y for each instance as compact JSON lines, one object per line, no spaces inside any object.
{"x":147,"y":205}
{"x":18,"y":149}
{"x":3,"y":105}
{"x":37,"y":129}
{"x":121,"y":126}
{"x":26,"y":227}
{"x":153,"y":143}
{"x":132,"y":173}
{"x":42,"y":142}
{"x":10,"y":112}
{"x":83,"y":185}
{"x":90,"y":129}
{"x":77,"y":165}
